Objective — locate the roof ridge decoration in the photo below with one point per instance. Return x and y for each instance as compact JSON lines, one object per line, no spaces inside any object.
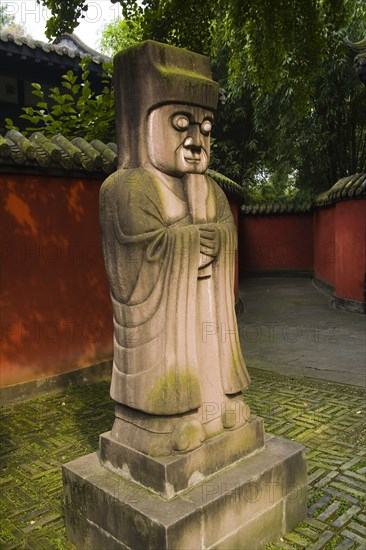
{"x":359,"y":48}
{"x":78,"y":45}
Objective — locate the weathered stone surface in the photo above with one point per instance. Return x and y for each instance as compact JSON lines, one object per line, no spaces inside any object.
{"x":131,"y":514}
{"x":255,"y":533}
{"x":296,"y":507}
{"x":172,"y":474}
{"x":245,"y":500}
{"x":254,"y":485}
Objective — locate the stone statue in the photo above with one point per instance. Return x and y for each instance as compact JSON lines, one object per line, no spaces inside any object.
{"x":184,"y":453}
{"x":169,"y":244}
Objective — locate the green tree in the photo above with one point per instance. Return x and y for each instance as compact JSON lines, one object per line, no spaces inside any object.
{"x":263,"y":37}
{"x":70,"y":109}
{"x":120,"y":34}
{"x":65,"y":16}
{"x":315,"y":148}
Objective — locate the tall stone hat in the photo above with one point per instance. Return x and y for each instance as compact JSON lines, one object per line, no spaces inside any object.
{"x":147,"y":76}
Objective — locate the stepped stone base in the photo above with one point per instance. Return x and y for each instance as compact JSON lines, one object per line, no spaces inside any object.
{"x":245,"y":505}
{"x":170,"y":475}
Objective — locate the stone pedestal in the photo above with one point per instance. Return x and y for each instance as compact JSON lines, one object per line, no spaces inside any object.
{"x":170,"y":475}
{"x":195,"y":500}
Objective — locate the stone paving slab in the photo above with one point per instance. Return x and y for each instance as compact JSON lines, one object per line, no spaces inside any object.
{"x":40,"y":435}
{"x":290,"y":327}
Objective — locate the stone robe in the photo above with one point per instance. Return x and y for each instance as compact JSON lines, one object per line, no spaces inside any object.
{"x":169,"y":317}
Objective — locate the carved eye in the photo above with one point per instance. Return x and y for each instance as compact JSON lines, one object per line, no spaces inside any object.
{"x":206,"y":127}
{"x":180,"y":122}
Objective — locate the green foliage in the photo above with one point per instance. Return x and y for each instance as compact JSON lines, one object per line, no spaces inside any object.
{"x":120,"y":34}
{"x":65,"y":15}
{"x":189,"y":24}
{"x":328,"y":140}
{"x":6,"y":19}
{"x":73,"y":109}
{"x":285,"y":146}
{"x":265,"y":39}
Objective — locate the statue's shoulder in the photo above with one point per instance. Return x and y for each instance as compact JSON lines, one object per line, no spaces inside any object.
{"x":127,"y":182}
{"x":127,"y":177}
{"x":216,"y":186}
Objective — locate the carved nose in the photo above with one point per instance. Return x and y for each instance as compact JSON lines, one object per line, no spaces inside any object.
{"x":192,"y":142}
{"x":194,"y":135}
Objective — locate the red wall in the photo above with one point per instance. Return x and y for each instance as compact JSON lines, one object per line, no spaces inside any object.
{"x":331,"y":242}
{"x":56,"y":311}
{"x":275,"y":242}
{"x":326,"y":252}
{"x":339,"y":248}
{"x":350,"y":238}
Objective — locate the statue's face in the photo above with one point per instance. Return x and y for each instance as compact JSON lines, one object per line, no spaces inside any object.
{"x":179,"y":139}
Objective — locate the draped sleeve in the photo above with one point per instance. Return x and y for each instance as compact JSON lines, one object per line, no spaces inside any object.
{"x":152,"y":269}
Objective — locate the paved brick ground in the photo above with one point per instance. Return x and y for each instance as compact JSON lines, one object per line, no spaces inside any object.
{"x":40,"y":435}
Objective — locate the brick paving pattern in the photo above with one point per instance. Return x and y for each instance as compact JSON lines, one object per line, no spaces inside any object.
{"x":328,"y":419}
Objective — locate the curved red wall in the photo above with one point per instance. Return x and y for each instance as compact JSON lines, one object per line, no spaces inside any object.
{"x":339,"y":248}
{"x":56,"y":311}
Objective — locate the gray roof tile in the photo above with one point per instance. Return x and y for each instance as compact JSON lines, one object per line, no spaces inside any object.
{"x":26,"y":41}
{"x":37,"y":151}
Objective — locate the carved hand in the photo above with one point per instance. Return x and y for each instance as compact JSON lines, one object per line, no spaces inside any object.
{"x":209,"y":241}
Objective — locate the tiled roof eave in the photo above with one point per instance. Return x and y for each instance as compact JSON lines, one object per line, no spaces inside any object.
{"x":39,"y":154}
{"x":273,"y":209}
{"x":348,"y":188}
{"x":229,"y":186}
{"x":35,"y":49}
{"x":53,"y":169}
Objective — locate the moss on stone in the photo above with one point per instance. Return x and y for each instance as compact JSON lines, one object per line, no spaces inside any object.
{"x":175,"y":392}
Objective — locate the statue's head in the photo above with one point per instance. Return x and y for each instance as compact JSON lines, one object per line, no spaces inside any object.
{"x":178,"y":139}
{"x":165,"y":102}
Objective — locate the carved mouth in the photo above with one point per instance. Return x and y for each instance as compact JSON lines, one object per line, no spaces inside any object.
{"x":192,"y":160}
{"x":193,"y":157}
